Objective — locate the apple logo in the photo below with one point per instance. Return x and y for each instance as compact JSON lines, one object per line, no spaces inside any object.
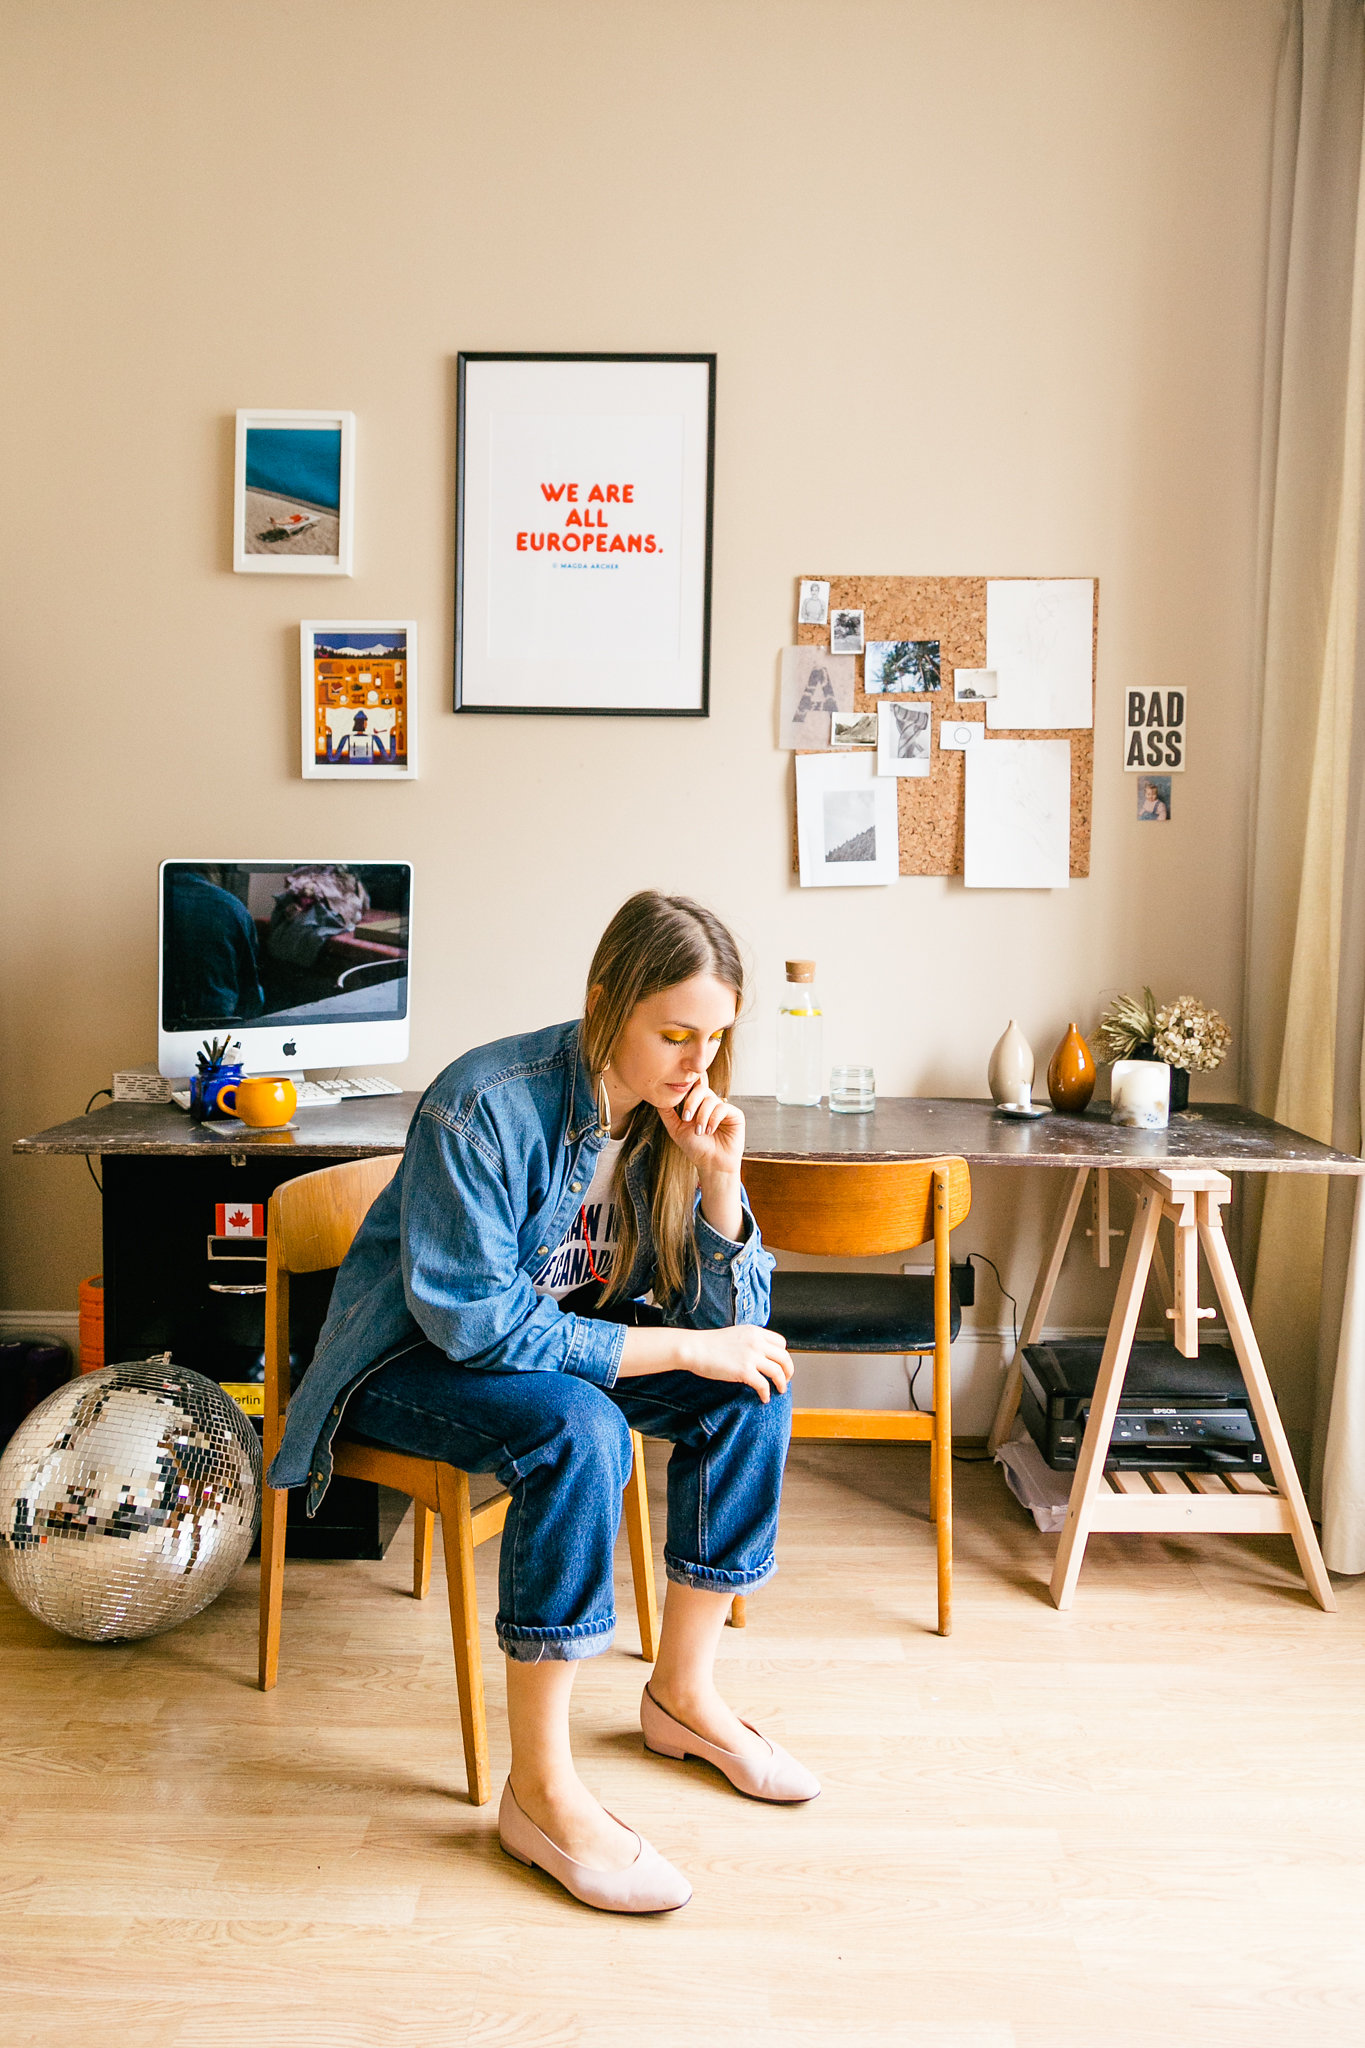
{"x":289,"y":1048}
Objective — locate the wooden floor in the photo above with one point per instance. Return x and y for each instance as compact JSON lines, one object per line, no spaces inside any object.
{"x":1141,"y":1822}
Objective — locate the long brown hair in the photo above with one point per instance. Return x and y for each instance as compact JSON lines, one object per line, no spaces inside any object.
{"x":653,"y":943}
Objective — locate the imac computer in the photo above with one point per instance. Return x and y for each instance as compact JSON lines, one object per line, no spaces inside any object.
{"x":304,"y":963}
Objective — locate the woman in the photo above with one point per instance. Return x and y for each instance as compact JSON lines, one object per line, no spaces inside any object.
{"x":491,"y":1313}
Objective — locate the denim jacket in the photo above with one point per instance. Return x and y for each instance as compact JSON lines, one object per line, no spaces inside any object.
{"x":496,"y":1162}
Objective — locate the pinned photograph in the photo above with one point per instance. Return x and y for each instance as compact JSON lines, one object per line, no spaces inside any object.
{"x":356,"y":681}
{"x":846,"y":826}
{"x":294,"y":489}
{"x":975,"y":685}
{"x":905,"y":737}
{"x":956,"y":734}
{"x":901,"y":665}
{"x":815,"y":684}
{"x":853,"y":729}
{"x":814,"y":606}
{"x":1154,"y":800}
{"x":845,"y":632}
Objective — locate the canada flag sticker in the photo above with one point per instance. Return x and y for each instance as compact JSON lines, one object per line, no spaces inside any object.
{"x":241,"y":1219}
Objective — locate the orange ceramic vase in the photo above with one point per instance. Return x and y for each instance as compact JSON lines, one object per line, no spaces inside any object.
{"x":1071,"y":1073}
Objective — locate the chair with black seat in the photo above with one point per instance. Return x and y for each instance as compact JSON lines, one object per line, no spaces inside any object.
{"x":869,"y":1209}
{"x":309,"y":1227}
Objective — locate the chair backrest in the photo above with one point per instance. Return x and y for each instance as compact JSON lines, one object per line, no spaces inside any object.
{"x":314,"y":1218}
{"x":309,"y":1228}
{"x":855,"y":1208}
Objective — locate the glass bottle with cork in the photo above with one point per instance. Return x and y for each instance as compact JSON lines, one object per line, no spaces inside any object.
{"x":800,"y":1037}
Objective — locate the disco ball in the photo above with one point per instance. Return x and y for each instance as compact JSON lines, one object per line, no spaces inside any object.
{"x":128,"y":1499}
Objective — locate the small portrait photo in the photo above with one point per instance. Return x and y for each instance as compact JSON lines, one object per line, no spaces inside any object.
{"x":357,"y":699}
{"x":814,"y":605}
{"x":294,"y":487}
{"x":974,"y":685}
{"x":1154,"y":799}
{"x":897,"y":665}
{"x":853,"y":729}
{"x":845,"y":632}
{"x":814,"y":685}
{"x":905,"y":738}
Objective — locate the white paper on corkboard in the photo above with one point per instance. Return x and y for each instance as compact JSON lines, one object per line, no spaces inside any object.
{"x":1040,"y":637}
{"x":1018,"y":815}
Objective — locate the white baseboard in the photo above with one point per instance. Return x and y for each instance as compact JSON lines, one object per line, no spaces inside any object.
{"x":57,"y":1325}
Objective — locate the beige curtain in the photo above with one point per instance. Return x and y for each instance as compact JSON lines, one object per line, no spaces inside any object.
{"x":1306,"y":966}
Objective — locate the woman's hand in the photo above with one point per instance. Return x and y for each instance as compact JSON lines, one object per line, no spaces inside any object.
{"x":709,"y":1130}
{"x":744,"y":1352}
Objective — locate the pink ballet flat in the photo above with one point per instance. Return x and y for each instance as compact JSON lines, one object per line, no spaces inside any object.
{"x":648,"y":1885}
{"x":780,"y":1778}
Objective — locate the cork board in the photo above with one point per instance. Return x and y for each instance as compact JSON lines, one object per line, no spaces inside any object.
{"x":951,"y":610}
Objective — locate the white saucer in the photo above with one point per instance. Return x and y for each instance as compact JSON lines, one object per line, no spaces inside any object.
{"x":1018,"y":1113}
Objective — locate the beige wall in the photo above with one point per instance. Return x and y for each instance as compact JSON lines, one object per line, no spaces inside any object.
{"x":985,"y":284}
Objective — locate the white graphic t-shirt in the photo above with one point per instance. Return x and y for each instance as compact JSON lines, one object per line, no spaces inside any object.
{"x":594,"y":1226}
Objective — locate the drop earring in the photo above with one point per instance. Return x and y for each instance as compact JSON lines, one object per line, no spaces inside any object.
{"x":603,"y":1104}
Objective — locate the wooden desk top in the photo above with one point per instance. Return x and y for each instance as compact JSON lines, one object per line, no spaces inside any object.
{"x":1208,"y":1134}
{"x":1218,"y":1135}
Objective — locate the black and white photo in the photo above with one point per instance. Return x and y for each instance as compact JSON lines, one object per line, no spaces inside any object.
{"x":975,"y":685}
{"x":905,"y":737}
{"x":853,"y":729}
{"x":814,"y":605}
{"x":847,"y":832}
{"x":845,"y":632}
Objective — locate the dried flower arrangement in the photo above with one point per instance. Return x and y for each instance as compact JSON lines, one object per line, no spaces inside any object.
{"x":1187,"y":1034}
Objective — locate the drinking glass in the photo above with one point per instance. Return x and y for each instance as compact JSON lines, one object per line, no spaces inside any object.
{"x":852,"y":1090}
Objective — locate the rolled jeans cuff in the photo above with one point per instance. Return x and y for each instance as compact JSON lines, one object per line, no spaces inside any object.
{"x":555,"y":1645}
{"x":705,"y":1580}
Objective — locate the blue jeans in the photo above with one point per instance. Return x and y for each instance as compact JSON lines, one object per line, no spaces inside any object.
{"x":561,"y":1447}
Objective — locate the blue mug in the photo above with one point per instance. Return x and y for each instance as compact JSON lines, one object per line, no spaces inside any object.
{"x":205,"y":1090}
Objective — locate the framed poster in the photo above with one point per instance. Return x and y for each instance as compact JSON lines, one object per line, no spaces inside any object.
{"x":294,"y":493}
{"x":356,"y":699}
{"x":583,"y":534}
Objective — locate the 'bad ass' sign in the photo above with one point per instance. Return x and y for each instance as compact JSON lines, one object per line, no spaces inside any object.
{"x":1154,"y":730}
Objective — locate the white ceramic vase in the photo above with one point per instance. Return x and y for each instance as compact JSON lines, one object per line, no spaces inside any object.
{"x":1010,"y":1073}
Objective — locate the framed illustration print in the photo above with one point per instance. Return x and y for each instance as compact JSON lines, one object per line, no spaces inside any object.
{"x":294,"y":493}
{"x":583,"y":534}
{"x":356,"y":695}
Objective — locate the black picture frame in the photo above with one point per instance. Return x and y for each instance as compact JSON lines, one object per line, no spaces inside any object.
{"x":461,"y":702}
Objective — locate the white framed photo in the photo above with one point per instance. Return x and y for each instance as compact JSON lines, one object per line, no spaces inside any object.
{"x":584,"y":488}
{"x":845,"y":632}
{"x":813,"y":609}
{"x":847,"y":832}
{"x":905,"y":739}
{"x":294,"y":494}
{"x":853,"y":728}
{"x":357,"y":699}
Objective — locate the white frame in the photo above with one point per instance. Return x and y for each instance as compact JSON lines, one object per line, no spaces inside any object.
{"x":295,"y":565}
{"x":853,"y":769}
{"x":308,"y":631}
{"x":380,"y":1042}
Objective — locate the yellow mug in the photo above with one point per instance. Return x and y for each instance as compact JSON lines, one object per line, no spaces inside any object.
{"x":265,"y":1101}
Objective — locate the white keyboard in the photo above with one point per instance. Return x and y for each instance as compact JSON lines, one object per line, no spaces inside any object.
{"x":323,"y":1094}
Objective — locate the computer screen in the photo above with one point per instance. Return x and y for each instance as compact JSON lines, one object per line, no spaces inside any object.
{"x":303,"y":962}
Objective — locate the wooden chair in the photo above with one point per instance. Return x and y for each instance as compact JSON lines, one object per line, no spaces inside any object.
{"x":866,"y":1209}
{"x":311,"y":1223}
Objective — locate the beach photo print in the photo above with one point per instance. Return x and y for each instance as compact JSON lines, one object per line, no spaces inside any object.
{"x":294,"y":493}
{"x":901,"y":665}
{"x":356,"y":696}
